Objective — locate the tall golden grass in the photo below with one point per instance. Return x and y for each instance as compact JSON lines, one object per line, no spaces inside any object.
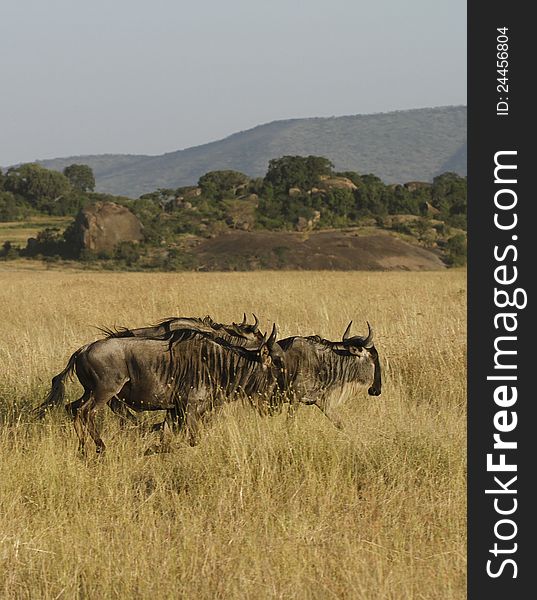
{"x":261,"y":508}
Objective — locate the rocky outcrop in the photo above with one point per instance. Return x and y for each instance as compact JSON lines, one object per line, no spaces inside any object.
{"x":412,"y":186}
{"x":338,"y":183}
{"x":103,"y":225}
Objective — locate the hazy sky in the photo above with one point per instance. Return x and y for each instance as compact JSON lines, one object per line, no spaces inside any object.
{"x":153,"y":76}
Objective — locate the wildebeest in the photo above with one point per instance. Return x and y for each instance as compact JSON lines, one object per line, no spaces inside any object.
{"x":318,"y":371}
{"x":240,"y":334}
{"x":310,"y":370}
{"x":191,"y":372}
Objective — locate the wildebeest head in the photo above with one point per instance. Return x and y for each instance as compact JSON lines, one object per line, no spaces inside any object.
{"x":269,"y":354}
{"x":364,"y":349}
{"x":249,"y":332}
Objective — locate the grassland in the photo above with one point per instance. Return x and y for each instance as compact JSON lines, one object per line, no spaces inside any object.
{"x":259,"y":509}
{"x":18,"y":232}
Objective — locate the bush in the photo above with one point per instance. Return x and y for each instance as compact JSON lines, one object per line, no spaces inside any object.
{"x":13,"y":208}
{"x":127,"y":252}
{"x":457,"y":221}
{"x":48,"y":242}
{"x":8,"y":251}
{"x":456,"y":250}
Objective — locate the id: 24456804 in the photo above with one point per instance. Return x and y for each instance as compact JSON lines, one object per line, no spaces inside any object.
{"x":502,"y":69}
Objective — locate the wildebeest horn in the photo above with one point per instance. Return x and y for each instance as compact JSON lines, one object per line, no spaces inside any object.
{"x":243,"y":320}
{"x":347,"y":333}
{"x":255,"y":325}
{"x":368,"y":342}
{"x":272,"y":338}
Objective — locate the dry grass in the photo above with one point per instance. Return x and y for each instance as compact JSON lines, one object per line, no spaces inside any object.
{"x":258,"y":509}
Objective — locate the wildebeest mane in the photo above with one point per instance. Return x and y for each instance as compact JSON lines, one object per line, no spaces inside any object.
{"x":354,"y":341}
{"x":236,"y":330}
{"x":323,"y":343}
{"x":115,"y":332}
{"x":123,"y":332}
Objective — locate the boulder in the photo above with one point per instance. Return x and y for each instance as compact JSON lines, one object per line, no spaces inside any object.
{"x":303,"y":224}
{"x":338,"y":183}
{"x":103,"y":225}
{"x":412,"y":186}
{"x":429,"y":209}
{"x":193,"y":192}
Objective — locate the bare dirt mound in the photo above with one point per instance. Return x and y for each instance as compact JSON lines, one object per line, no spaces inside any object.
{"x":341,"y":250}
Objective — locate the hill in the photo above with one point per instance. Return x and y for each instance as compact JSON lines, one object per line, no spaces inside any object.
{"x":334,"y":250}
{"x":397,"y":146}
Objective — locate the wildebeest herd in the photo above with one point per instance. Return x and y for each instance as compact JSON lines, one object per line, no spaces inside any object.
{"x":189,"y":366}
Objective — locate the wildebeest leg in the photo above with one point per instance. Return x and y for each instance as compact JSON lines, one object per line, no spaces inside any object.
{"x":336,"y":422}
{"x":175,"y":419}
{"x":291,"y":411}
{"x":73,"y":407}
{"x":80,"y":428}
{"x":85,"y":417}
{"x":165,"y":442}
{"x":116,"y":405}
{"x":85,"y":423}
{"x":122,"y":411}
{"x":192,"y":423}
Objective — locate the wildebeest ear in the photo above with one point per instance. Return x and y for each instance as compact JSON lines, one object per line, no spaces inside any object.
{"x":356,"y":350}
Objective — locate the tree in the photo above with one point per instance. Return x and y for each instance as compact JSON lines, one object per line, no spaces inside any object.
{"x":81,"y":177}
{"x":36,"y":184}
{"x":219,"y":184}
{"x":297,"y":171}
{"x":12,"y":208}
{"x":449,"y":194}
{"x":401,"y":201}
{"x":456,"y":250}
{"x":371,"y":197}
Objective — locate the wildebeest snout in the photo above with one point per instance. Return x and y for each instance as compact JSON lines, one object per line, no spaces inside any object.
{"x":373,"y":391}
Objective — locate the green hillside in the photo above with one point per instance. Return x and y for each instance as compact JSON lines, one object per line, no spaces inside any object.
{"x":397,"y":146}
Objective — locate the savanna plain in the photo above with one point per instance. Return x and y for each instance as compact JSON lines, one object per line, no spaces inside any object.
{"x":263,"y":507}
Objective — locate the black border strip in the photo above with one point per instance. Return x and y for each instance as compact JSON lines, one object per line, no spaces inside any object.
{"x":488,"y":134}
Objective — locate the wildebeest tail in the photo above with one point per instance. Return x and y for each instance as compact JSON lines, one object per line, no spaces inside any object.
{"x":57,"y":391}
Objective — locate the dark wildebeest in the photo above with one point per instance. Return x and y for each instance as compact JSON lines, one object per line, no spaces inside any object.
{"x":321,"y":372}
{"x":240,"y":334}
{"x":191,"y":372}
